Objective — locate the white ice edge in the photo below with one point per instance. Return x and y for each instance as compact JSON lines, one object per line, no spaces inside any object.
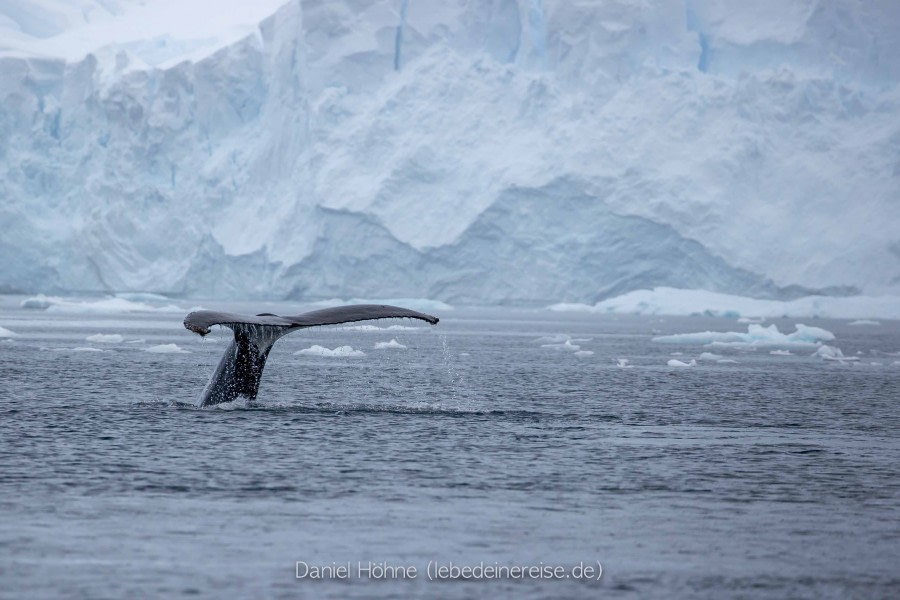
{"x":685,"y":302}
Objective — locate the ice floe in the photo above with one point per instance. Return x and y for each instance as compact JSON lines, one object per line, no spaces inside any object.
{"x":388,"y":345}
{"x":677,"y":363}
{"x":376,"y":328}
{"x":340,"y":351}
{"x":674,"y":301}
{"x":6,"y":333}
{"x":622,"y":363}
{"x":166,"y":349}
{"x":756,"y":336}
{"x":420,"y":304}
{"x":833,"y":353}
{"x":781,"y":353}
{"x":559,"y":338}
{"x":111,"y":304}
{"x":567,"y":346}
{"x":105,"y":338}
{"x":863,"y":322}
{"x":709,"y":356}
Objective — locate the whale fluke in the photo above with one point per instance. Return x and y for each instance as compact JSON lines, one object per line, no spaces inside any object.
{"x":241,"y":367}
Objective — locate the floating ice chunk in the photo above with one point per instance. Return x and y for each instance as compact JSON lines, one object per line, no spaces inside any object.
{"x":584,"y":353}
{"x":142,"y":340}
{"x":83,"y":349}
{"x":781,"y":353}
{"x":677,"y":363}
{"x":340,"y":351}
{"x":103,"y":338}
{"x":166,"y":349}
{"x":709,"y":356}
{"x":833,"y":353}
{"x":376,"y":328}
{"x":568,"y":346}
{"x":673,"y":301}
{"x":6,"y":333}
{"x":723,"y":361}
{"x":622,"y":363}
{"x":363,"y":328}
{"x":103,"y":305}
{"x":864,"y":322}
{"x":750,"y":320}
{"x":676,"y":353}
{"x":421,"y":304}
{"x":557,"y":338}
{"x":391,"y":344}
{"x":756,"y":336}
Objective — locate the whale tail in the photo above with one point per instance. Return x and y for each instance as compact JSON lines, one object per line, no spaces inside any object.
{"x":240,"y":368}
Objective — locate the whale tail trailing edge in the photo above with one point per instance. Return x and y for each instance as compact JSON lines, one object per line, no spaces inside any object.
{"x":240,"y":368}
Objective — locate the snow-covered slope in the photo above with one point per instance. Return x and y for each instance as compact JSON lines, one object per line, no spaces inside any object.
{"x":473,"y":152}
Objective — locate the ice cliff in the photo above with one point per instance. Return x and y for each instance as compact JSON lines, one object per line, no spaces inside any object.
{"x":475,"y":152}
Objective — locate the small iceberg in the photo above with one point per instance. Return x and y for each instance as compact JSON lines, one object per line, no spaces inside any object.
{"x":340,"y":351}
{"x":567,"y":346}
{"x":726,"y":361}
{"x":6,"y":333}
{"x":420,"y":304}
{"x":864,"y":322}
{"x":166,"y":349}
{"x":673,"y":301}
{"x":388,"y":345}
{"x":833,"y":353}
{"x":677,"y":363}
{"x":584,"y":353}
{"x":622,"y":363}
{"x":757,"y":336}
{"x":709,"y":356}
{"x":781,"y":353}
{"x":111,"y":304}
{"x":376,"y":328}
{"x":85,"y":349}
{"x":103,"y":338}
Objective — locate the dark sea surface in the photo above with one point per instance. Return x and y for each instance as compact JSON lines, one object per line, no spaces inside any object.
{"x":777,"y":476}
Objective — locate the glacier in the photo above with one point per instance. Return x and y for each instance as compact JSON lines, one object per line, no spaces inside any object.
{"x":492,"y":152}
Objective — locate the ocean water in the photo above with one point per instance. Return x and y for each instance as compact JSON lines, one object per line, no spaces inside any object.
{"x":771,"y":477}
